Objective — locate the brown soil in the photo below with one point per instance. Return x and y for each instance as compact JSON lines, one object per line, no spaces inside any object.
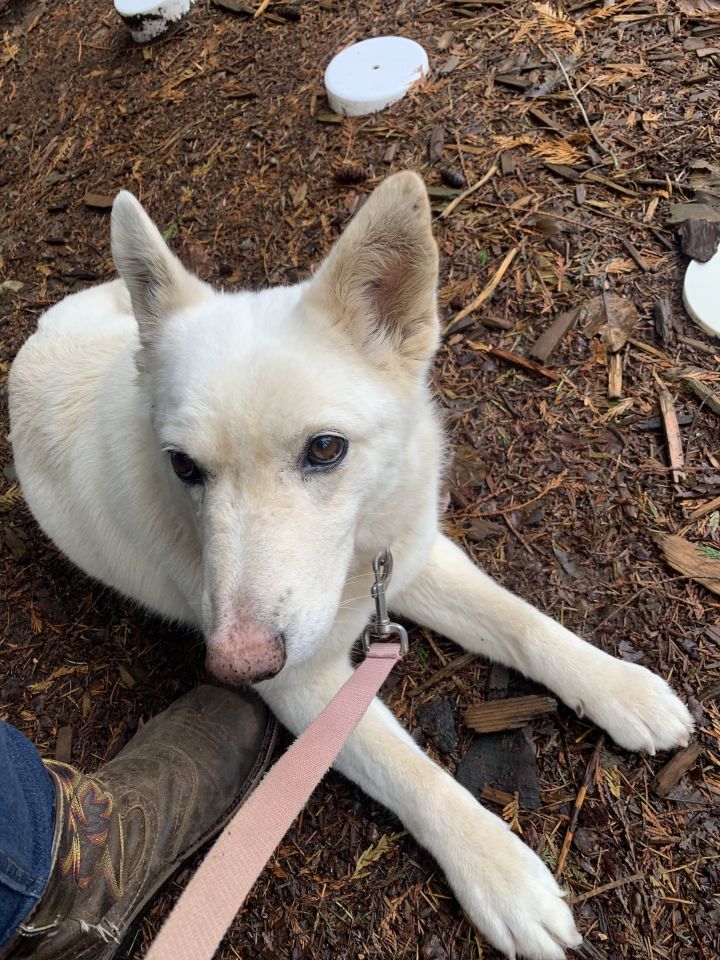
{"x":222,"y":130}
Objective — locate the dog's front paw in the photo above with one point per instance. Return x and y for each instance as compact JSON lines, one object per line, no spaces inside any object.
{"x":636,"y":707}
{"x":508,"y":892}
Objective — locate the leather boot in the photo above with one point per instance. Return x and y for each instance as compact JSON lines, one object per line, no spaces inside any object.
{"x":121,"y":832}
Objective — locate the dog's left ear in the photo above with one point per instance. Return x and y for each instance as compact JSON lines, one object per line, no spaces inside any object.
{"x":380,"y":279}
{"x":157,"y":281}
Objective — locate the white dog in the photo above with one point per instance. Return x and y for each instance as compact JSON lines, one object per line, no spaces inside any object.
{"x":236,"y":460}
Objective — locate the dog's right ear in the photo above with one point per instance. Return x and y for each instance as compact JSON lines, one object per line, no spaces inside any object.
{"x":379,"y":282}
{"x":157,"y":281}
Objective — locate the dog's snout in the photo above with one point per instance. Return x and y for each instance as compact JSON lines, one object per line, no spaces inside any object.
{"x":243,"y":651}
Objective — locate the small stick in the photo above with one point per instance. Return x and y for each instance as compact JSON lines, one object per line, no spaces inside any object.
{"x":613,"y":885}
{"x":704,"y":393}
{"x":663,"y":319}
{"x":264,"y":4}
{"x":672,"y":432}
{"x":698,"y":345}
{"x":577,"y":807}
{"x":576,"y":98}
{"x":436,"y":650}
{"x":517,"y":360}
{"x":457,"y":664}
{"x":486,"y":293}
{"x":706,"y":508}
{"x":674,"y":770}
{"x":636,"y":255}
{"x":648,"y":348}
{"x":615,"y":376}
{"x":496,"y":796}
{"x":466,"y":193}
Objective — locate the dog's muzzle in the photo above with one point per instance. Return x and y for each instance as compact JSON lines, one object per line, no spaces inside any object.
{"x":244,"y":652}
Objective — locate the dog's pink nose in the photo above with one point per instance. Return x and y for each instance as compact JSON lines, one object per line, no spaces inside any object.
{"x":242,"y":651}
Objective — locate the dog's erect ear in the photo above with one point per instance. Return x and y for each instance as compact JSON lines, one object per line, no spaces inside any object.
{"x":157,"y":281}
{"x":380,"y":279}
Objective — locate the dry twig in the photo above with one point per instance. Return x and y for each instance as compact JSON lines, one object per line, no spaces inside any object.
{"x":466,"y":193}
{"x":577,"y":807}
{"x":600,"y":145}
{"x":674,"y":770}
{"x":672,"y":432}
{"x":448,"y":670}
{"x":516,"y":360}
{"x":487,"y":291}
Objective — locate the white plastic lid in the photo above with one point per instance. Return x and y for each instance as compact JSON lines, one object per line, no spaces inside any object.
{"x":165,"y":8}
{"x":148,"y":19}
{"x":372,"y":74}
{"x":701,"y":294}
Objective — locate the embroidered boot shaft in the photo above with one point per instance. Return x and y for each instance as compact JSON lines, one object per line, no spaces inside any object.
{"x":121,"y":832}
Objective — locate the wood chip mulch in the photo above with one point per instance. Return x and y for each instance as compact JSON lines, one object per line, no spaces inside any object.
{"x":587,"y":127}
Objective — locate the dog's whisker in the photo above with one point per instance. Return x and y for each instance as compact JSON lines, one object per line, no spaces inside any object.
{"x":346,"y":603}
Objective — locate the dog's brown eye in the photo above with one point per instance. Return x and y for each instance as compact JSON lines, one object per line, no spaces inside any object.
{"x":326,"y":450}
{"x":184,"y":467}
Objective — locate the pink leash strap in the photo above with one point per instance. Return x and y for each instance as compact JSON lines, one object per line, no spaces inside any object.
{"x":207,"y":907}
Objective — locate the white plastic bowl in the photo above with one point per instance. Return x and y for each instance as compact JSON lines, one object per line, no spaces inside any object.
{"x":372,"y":74}
{"x":701,"y":294}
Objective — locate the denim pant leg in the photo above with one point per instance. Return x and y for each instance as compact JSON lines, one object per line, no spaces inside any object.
{"x":27,"y":815}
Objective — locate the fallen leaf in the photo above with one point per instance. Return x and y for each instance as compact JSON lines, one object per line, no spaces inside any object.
{"x":468,"y":468}
{"x":298,"y":194}
{"x":449,"y":65}
{"x":693,"y":7}
{"x":679,"y":212}
{"x":571,"y":567}
{"x":705,"y":180}
{"x":13,"y":542}
{"x":235,"y":6}
{"x":479,"y":530}
{"x":613,"y":318}
{"x":133,"y":675}
{"x":547,"y":226}
{"x":628,"y":652}
{"x":437,"y":143}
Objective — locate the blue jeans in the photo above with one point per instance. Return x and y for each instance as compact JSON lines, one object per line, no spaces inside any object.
{"x":27,"y":817}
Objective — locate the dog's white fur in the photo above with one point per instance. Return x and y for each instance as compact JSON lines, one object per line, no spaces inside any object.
{"x":117,"y":375}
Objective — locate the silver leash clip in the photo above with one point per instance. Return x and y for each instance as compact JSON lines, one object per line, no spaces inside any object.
{"x":381,"y":628}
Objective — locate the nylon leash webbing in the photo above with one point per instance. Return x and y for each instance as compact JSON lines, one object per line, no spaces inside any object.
{"x":216,"y":892}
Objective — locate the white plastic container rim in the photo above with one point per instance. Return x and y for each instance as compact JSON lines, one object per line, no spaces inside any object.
{"x":368,"y":76}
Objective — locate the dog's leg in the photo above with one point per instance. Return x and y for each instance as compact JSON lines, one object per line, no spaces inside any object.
{"x":506,"y":890}
{"x":452,"y":596}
